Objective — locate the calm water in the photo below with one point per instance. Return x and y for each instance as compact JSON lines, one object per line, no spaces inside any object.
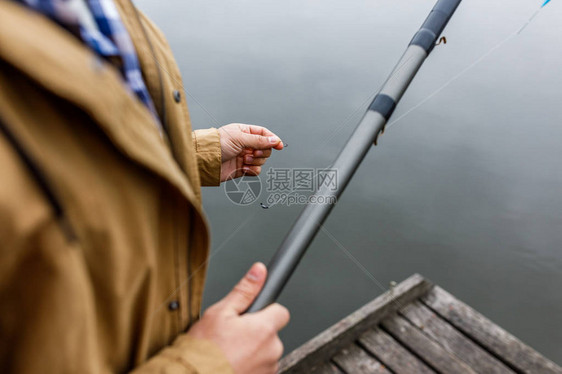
{"x":465,"y":190}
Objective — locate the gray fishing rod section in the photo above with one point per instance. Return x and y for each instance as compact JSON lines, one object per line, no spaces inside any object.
{"x":294,"y":246}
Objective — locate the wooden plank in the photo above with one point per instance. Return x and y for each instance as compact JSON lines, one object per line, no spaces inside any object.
{"x":428,"y":350}
{"x":343,"y":333}
{"x":391,"y":354}
{"x":327,"y":368}
{"x":504,"y":345}
{"x":356,"y":361}
{"x":452,"y":340}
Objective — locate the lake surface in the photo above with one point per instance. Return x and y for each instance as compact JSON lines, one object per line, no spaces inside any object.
{"x":465,"y":189}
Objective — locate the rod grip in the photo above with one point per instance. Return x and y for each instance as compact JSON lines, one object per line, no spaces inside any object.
{"x":434,"y":24}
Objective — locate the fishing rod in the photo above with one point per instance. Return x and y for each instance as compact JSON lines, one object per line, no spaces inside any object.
{"x":295,"y":244}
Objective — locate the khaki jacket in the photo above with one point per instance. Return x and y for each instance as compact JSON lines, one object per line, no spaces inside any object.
{"x":103,"y":241}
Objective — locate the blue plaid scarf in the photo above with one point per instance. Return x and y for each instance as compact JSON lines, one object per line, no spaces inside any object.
{"x":98,"y":24}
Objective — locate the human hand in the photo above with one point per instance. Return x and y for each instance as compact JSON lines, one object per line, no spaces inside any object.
{"x":245,"y":148}
{"x":249,"y":341}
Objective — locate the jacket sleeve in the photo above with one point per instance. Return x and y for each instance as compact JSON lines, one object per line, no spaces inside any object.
{"x":208,"y":152}
{"x":187,"y":355}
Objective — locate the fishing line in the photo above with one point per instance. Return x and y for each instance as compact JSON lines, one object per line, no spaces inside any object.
{"x":427,"y":98}
{"x":533,"y":17}
{"x":357,"y":263}
{"x":529,"y":21}
{"x":460,"y":74}
{"x":469,"y":67}
{"x":442,"y":40}
{"x":464,"y":71}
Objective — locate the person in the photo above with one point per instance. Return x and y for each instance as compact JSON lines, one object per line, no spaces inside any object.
{"x":104,"y":243}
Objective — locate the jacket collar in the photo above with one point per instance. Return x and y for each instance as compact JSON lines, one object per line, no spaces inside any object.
{"x":68,"y":69}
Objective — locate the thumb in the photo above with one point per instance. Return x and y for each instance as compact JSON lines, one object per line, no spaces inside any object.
{"x":244,"y":293}
{"x":259,"y":141}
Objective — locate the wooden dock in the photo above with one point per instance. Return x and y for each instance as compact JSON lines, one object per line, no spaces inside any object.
{"x":416,"y":327}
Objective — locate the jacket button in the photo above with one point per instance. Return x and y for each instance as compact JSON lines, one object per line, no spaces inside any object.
{"x":177,"y":96}
{"x":174,"y":305}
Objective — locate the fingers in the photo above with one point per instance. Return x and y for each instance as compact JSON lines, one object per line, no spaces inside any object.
{"x":260,"y":142}
{"x":259,"y":130}
{"x":277,"y":315}
{"x":251,"y":145}
{"x":259,"y":137}
{"x":262,"y":131}
{"x":252,"y":160}
{"x":262,"y":153}
{"x":244,"y":293}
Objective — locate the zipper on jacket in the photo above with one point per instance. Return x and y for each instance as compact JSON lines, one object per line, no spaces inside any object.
{"x":41,"y":181}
